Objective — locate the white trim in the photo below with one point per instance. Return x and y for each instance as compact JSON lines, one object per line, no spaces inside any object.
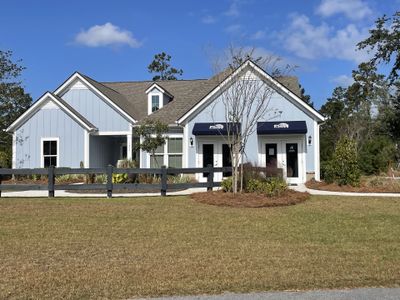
{"x":39,"y":103}
{"x":86,"y":156}
{"x":156,"y":86}
{"x":111,"y":133}
{"x":249,"y":63}
{"x":75,"y":76}
{"x":48,"y":139}
{"x":14,"y":150}
{"x":317,"y":163}
{"x":185,"y":145}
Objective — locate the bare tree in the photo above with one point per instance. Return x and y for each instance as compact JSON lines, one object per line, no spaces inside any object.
{"x":245,"y":98}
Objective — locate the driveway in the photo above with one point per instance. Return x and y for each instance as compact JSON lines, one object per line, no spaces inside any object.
{"x":350,"y":294}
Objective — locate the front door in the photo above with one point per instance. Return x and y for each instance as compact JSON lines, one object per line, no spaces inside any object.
{"x":286,"y":155}
{"x":215,"y":153}
{"x":292,"y":161}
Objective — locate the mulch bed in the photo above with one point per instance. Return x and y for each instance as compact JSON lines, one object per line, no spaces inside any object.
{"x":251,"y":200}
{"x":363,"y":188}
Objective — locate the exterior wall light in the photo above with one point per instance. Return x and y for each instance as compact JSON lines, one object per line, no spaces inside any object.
{"x":191,"y":142}
{"x":309,"y":140}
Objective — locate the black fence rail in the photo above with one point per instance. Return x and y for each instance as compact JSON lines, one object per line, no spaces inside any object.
{"x":109,"y":186}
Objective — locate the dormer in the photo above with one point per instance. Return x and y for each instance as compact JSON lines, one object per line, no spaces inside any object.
{"x":157,"y":97}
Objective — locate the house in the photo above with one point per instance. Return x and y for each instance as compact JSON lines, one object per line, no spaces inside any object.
{"x":91,"y":123}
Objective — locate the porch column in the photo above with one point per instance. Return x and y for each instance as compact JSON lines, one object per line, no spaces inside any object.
{"x":86,"y":156}
{"x":129,"y":146}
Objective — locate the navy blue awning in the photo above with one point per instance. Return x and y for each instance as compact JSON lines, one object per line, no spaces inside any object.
{"x":285,"y":127}
{"x":215,"y":128}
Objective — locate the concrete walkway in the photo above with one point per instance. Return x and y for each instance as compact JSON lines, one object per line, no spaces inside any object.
{"x":303,"y":188}
{"x":62,"y":193}
{"x":350,"y":294}
{"x":300,"y":188}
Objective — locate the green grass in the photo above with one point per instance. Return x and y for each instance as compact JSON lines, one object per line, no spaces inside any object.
{"x":121,"y":248}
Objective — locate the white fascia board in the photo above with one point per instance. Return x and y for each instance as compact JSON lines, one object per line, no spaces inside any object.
{"x":41,"y":101}
{"x":75,"y":76}
{"x":263,"y":73}
{"x":155,"y":85}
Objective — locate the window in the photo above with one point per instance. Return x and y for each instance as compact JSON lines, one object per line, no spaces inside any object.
{"x":175,"y":152}
{"x":157,"y":160}
{"x":169,"y":154}
{"x":155,"y":103}
{"x":50,"y":153}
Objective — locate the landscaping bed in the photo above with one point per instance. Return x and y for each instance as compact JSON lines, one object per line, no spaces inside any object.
{"x":251,"y":200}
{"x":370,"y":184}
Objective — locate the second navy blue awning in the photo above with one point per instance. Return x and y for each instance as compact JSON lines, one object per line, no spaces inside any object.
{"x":216,"y":128}
{"x":290,"y":127}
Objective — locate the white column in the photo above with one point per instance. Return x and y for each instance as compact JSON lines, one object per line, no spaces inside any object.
{"x":317,"y":153}
{"x":87,"y":149}
{"x":14,"y":150}
{"x":129,"y":146}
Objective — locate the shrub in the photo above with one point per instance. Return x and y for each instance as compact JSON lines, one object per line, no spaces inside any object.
{"x":69,"y":178}
{"x":271,"y":187}
{"x":125,"y":178}
{"x":376,"y":155}
{"x":5,"y":159}
{"x":101,"y":178}
{"x":179,"y":179}
{"x":120,"y":178}
{"x":343,"y":168}
{"x":227,"y":184}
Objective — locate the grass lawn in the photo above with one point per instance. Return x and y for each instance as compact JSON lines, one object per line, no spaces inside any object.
{"x":121,"y":248}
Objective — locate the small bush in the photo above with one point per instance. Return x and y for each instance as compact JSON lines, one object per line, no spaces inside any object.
{"x":120,"y":178}
{"x":69,"y":178}
{"x":227,"y":184}
{"x":271,"y":187}
{"x":101,"y":178}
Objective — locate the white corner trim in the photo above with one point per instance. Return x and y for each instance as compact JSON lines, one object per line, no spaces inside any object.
{"x":249,"y":63}
{"x":75,"y":76}
{"x":129,"y":146}
{"x":112,"y":132}
{"x":317,"y":157}
{"x":40,"y":103}
{"x":14,"y":150}
{"x":43,"y":139}
{"x":86,"y":155}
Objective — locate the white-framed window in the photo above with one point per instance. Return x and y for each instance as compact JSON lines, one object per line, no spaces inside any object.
{"x":155,"y":103}
{"x":175,"y":152}
{"x":170,"y":154}
{"x":50,"y":151}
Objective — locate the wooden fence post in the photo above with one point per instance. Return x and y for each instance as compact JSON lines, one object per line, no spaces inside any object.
{"x":51,"y":181}
{"x":163,"y":181}
{"x":210,"y":178}
{"x":1,"y":179}
{"x":109,"y":181}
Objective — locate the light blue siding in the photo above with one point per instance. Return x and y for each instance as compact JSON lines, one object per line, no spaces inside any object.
{"x":95,"y":110}
{"x":49,"y":123}
{"x":280,"y":109}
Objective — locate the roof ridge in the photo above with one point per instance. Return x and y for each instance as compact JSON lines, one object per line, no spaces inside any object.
{"x":152,"y":81}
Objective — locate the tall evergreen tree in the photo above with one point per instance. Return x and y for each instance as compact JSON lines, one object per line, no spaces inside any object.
{"x":13,"y":101}
{"x":162,"y":67}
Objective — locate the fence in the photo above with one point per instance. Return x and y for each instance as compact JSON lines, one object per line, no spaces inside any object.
{"x":109,"y":186}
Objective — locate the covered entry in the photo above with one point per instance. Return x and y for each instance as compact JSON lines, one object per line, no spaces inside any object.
{"x":212,"y":147}
{"x":282,"y":145}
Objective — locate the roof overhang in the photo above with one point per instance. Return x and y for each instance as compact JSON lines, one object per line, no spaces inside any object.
{"x":249,"y":64}
{"x":42,"y":101}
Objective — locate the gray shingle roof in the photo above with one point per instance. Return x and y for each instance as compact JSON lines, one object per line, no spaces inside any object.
{"x":131,"y":97}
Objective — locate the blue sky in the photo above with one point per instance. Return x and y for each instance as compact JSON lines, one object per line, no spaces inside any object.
{"x":116,"y":40}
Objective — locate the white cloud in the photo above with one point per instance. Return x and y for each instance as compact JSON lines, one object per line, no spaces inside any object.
{"x":313,"y":42}
{"x":233,"y":10}
{"x":235,"y":28}
{"x":352,"y":9}
{"x":258,"y":35}
{"x":343,"y":80}
{"x":208,"y":19}
{"x":106,"y":35}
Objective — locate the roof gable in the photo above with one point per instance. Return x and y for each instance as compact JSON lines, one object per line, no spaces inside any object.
{"x":41,"y":102}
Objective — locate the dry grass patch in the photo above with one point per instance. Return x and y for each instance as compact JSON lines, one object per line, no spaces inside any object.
{"x":121,"y":248}
{"x":251,"y":200}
